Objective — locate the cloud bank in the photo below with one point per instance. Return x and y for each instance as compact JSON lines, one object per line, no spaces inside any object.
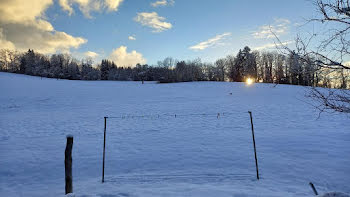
{"x":121,"y":57}
{"x":23,"y":26}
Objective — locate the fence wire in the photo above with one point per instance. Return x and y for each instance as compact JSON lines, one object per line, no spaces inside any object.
{"x":217,"y":115}
{"x":175,"y":115}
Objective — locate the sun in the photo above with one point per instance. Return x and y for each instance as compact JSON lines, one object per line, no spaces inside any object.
{"x":249,"y":81}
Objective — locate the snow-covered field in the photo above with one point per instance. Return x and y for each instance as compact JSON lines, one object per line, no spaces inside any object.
{"x":192,"y":155}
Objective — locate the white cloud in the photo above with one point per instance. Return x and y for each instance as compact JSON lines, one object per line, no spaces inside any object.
{"x":113,"y":5}
{"x":66,"y":6}
{"x":23,"y":26}
{"x":278,"y":28}
{"x":121,"y":57}
{"x":211,"y":42}
{"x":17,"y":11}
{"x":132,"y":38}
{"x":25,"y":37}
{"x":152,"y":20}
{"x":272,"y":45}
{"x":162,"y":3}
{"x":91,"y":54}
{"x":87,"y":6}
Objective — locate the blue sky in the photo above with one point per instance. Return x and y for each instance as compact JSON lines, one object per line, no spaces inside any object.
{"x":186,"y":29}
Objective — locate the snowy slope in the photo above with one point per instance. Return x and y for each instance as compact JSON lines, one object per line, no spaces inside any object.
{"x":198,"y":155}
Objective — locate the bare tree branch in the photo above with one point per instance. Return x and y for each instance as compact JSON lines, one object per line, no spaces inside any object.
{"x":329,"y":55}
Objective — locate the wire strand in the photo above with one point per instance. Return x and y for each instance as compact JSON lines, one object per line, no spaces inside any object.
{"x":131,"y":116}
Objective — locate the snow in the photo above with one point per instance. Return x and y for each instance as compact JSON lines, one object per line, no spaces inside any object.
{"x":190,"y":155}
{"x":335,"y":194}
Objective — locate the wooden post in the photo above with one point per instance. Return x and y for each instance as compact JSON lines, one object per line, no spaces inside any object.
{"x":313,"y":188}
{"x":256,"y":158}
{"x":68,"y":165}
{"x":104,"y":150}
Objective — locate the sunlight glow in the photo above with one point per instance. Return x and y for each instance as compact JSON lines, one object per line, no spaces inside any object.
{"x":249,"y":81}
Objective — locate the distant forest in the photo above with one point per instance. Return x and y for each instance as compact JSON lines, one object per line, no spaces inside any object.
{"x":267,"y":67}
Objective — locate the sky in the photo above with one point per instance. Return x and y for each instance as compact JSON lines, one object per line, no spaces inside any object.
{"x":146,"y":31}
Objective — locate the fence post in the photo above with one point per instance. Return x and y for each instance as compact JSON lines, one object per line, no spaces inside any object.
{"x":313,"y":188}
{"x":256,"y":158}
{"x":104,"y":150}
{"x":68,"y":165}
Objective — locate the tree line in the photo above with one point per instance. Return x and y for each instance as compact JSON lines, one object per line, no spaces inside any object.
{"x":267,"y":67}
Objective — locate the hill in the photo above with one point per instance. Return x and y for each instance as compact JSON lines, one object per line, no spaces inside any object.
{"x":150,"y":152}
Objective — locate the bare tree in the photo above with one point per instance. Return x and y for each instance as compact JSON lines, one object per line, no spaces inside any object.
{"x":220,"y":66}
{"x":331,"y":99}
{"x":329,"y":55}
{"x":9,"y":60}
